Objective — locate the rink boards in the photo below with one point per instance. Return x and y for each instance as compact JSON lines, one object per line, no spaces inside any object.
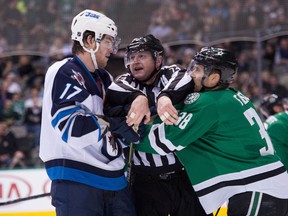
{"x":23,"y":183}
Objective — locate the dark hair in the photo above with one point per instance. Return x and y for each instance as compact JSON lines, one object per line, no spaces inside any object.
{"x":77,"y":48}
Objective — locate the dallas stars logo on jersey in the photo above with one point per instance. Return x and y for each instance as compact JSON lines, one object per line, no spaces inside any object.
{"x":191,"y":98}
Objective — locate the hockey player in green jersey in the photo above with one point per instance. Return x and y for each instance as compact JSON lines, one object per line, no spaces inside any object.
{"x":273,"y":108}
{"x":277,"y":128}
{"x":222,"y":143}
{"x":271,"y":105}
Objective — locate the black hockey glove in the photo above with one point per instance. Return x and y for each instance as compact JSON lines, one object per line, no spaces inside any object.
{"x":118,"y":126}
{"x":117,"y":111}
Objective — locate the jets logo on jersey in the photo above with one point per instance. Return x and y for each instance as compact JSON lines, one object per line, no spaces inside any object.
{"x":191,"y":98}
{"x":77,"y":76}
{"x":110,"y":148}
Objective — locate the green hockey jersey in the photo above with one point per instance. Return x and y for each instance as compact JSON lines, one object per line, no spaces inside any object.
{"x":277,"y":127}
{"x":223,"y":145}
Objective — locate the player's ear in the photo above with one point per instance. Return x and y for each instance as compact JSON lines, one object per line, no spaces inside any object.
{"x":158,"y":61}
{"x":214,"y":77}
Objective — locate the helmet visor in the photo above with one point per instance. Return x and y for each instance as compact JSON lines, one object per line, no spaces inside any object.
{"x":191,"y":66}
{"x":112,"y":44}
{"x":136,"y":56}
{"x":116,"y":44}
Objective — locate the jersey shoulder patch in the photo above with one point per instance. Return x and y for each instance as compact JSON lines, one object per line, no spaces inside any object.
{"x":191,"y":98}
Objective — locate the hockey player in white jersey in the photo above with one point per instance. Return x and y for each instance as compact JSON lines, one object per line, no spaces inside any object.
{"x":81,"y":156}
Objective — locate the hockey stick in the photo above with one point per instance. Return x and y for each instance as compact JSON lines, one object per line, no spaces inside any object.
{"x":217,"y":211}
{"x":130,"y":158}
{"x":24,"y":199}
{"x":129,"y":165}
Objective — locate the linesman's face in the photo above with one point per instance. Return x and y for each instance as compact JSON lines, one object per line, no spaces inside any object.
{"x":141,"y":65}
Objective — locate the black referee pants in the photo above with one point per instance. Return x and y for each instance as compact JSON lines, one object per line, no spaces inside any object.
{"x":159,"y":196}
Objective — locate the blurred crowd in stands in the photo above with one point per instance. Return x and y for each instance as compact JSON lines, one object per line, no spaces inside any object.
{"x":20,"y":111}
{"x":37,"y":30}
{"x":196,"y":20}
{"x":42,"y":25}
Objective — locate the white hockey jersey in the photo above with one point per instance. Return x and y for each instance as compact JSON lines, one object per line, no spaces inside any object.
{"x":73,"y":144}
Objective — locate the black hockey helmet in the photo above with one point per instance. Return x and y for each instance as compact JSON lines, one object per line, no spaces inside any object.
{"x":268,"y":103}
{"x":219,"y":59}
{"x":145,"y":43}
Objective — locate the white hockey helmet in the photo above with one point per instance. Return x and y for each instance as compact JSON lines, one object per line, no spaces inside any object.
{"x":89,"y":20}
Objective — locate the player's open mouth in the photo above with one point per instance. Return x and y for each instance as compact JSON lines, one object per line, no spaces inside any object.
{"x":138,"y":68}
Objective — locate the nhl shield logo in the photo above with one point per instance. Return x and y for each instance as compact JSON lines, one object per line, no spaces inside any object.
{"x":191,"y":98}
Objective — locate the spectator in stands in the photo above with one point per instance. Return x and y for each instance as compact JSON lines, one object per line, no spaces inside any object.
{"x":275,"y":87}
{"x":251,"y":15}
{"x":243,"y":62}
{"x":269,"y":56}
{"x":33,"y":94}
{"x":7,"y":114}
{"x":283,"y":51}
{"x":32,"y":120}
{"x":36,"y":80}
{"x":7,"y":67}
{"x":32,"y":116}
{"x":10,"y":155}
{"x":25,"y":67}
{"x":18,"y":105}
{"x":188,"y":26}
{"x":10,"y":86}
{"x":3,"y":44}
{"x":160,"y":28}
{"x":188,"y":54}
{"x":56,"y":50}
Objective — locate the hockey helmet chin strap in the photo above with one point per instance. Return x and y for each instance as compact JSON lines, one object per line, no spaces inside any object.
{"x":155,"y":71}
{"x":151,"y":75}
{"x":92,"y":54}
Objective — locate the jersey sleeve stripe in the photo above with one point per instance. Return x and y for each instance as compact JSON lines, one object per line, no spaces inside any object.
{"x":166,"y":142}
{"x":158,"y":141}
{"x":67,"y":129}
{"x":63,"y":114}
{"x":240,"y":182}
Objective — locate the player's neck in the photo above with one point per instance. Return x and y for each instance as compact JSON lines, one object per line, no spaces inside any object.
{"x":87,"y":61}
